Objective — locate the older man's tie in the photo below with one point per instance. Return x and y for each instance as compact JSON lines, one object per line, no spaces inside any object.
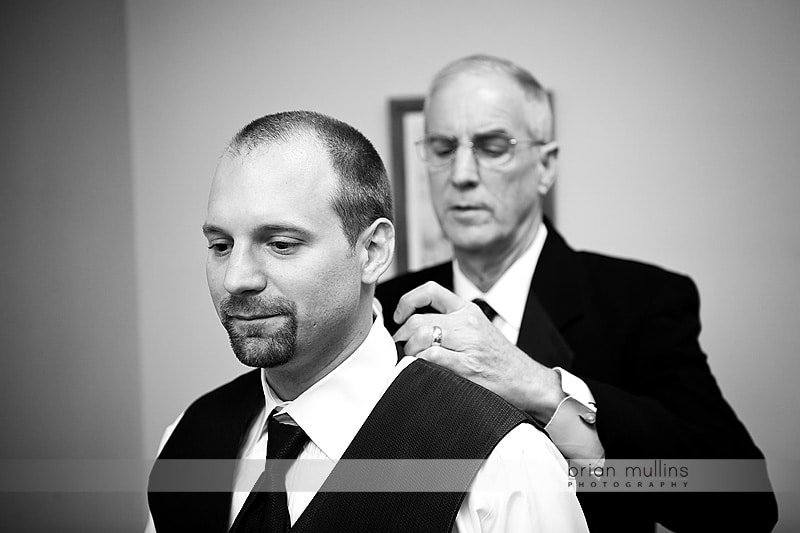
{"x":487,"y":309}
{"x":265,"y":509}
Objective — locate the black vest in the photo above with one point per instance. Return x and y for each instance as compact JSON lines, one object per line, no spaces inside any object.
{"x":426,"y":413}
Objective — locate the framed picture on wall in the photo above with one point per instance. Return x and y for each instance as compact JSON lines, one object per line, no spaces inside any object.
{"x":420,"y":242}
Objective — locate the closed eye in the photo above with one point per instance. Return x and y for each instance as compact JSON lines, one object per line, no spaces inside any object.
{"x":442,"y":146}
{"x":493,"y":146}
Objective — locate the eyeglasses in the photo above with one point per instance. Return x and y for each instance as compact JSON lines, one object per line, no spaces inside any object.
{"x":490,"y":150}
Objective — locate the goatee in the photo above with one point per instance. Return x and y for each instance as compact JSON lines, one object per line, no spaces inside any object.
{"x":255,"y":343}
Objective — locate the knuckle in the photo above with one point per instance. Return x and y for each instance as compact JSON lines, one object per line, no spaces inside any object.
{"x":419,"y":338}
{"x":442,"y":357}
{"x":471,"y":321}
{"x":429,"y":288}
{"x":473,"y":366}
{"x":409,"y":348}
{"x":414,"y":322}
{"x":435,"y":354}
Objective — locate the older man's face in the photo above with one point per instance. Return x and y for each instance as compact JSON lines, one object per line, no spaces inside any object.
{"x":282,"y":275}
{"x":485,"y":209}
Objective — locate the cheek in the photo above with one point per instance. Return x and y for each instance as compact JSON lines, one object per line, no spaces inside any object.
{"x":437,"y":181}
{"x":214,"y":280}
{"x":439,"y":194}
{"x":330,"y":289}
{"x":516,"y":193}
{"x":437,"y":185}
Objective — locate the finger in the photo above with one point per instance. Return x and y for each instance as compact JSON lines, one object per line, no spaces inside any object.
{"x":421,"y":339}
{"x":448,"y":359}
{"x":430,"y":294}
{"x":404,"y":332}
{"x":417,"y":322}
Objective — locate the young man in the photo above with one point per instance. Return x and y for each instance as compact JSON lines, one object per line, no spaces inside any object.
{"x":299,"y":231}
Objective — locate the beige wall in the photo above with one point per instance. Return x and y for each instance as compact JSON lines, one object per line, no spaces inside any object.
{"x":70,"y":384}
{"x":678,"y":124}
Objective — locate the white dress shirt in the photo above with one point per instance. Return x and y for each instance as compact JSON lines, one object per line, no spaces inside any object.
{"x":522,"y":486}
{"x":508,"y":297}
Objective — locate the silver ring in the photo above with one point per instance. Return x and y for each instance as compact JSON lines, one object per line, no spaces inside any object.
{"x":436,"y":340}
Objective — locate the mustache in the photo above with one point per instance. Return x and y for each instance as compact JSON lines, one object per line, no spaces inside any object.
{"x":259,"y":306}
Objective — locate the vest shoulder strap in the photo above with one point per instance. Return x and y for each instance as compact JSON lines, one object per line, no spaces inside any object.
{"x":427,"y":413}
{"x":211,"y":428}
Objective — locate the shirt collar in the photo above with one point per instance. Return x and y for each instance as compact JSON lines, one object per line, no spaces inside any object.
{"x":509,"y":294}
{"x":333,"y":409}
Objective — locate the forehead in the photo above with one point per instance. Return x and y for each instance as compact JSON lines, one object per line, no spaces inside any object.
{"x":477,"y":102}
{"x":290,"y":181}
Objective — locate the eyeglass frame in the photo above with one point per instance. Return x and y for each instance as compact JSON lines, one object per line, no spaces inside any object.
{"x":479,"y":160}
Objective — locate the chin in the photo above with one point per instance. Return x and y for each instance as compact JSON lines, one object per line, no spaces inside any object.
{"x":470,"y":240}
{"x":261,"y":360}
{"x":262,"y":353}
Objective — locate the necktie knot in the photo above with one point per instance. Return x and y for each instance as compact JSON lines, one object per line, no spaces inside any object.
{"x":487,"y":309}
{"x":284,"y":441}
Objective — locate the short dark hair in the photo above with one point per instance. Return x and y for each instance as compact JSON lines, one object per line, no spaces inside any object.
{"x":363,"y":194}
{"x":481,"y":63}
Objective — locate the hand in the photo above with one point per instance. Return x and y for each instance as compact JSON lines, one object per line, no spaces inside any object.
{"x":473,"y":348}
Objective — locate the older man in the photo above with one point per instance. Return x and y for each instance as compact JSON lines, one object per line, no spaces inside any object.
{"x":299,"y":230}
{"x":604,"y":352}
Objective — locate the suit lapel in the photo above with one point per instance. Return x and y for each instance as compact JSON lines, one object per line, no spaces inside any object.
{"x":539,"y":337}
{"x":555,"y":302}
{"x":443,"y":275}
{"x":559,"y":280}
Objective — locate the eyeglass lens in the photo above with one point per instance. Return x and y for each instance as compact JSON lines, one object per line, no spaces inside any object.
{"x":492,"y":149}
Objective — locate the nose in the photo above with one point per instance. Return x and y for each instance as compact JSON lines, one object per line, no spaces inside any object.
{"x":245,"y":272}
{"x":465,"y":172}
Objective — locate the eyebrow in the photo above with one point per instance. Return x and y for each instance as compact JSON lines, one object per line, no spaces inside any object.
{"x":264,"y":228}
{"x":492,"y":133}
{"x":210,"y":228}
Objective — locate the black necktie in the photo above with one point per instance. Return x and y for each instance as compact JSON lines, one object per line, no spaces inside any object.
{"x":487,"y":309}
{"x":265,"y":509}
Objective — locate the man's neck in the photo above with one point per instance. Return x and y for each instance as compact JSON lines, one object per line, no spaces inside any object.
{"x":292,"y":379}
{"x":484,"y":267}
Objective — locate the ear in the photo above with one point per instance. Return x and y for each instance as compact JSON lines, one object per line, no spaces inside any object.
{"x":376,"y":250}
{"x":548,"y":161}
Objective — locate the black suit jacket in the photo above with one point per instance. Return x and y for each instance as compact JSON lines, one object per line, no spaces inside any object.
{"x":630,"y":331}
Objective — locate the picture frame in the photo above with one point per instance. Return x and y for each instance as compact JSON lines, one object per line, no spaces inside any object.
{"x":419,"y":239}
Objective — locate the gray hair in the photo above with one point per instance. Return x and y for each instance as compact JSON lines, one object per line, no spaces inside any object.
{"x":542,"y":121}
